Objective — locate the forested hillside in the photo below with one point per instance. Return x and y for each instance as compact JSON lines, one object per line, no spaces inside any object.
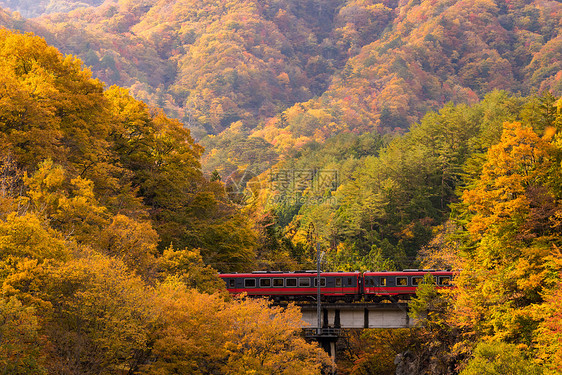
{"x":107,"y":230}
{"x":261,"y":82}
{"x":34,"y":8}
{"x":374,"y":65}
{"x":396,"y":134}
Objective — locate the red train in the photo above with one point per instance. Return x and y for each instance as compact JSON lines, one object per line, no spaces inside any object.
{"x":334,"y":286}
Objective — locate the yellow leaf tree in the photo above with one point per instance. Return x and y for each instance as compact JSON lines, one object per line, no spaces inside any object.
{"x":509,"y":261}
{"x":202,"y":334}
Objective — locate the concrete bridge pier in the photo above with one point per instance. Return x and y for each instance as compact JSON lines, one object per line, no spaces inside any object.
{"x":338,"y":316}
{"x":327,"y":338}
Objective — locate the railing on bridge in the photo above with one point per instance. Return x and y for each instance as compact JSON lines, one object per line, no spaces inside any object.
{"x":313,"y":333}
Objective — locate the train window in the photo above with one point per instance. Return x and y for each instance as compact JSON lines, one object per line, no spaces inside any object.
{"x":349,"y":281}
{"x":369,"y":282}
{"x":278,"y":282}
{"x":291,"y":282}
{"x":231,"y":283}
{"x":383,"y":281}
{"x":249,"y":283}
{"x":305,"y":282}
{"x":338,"y":282}
{"x":417,"y":280}
{"x":444,"y":280}
{"x":265,"y":283}
{"x":402,"y":281}
{"x":322,"y":282}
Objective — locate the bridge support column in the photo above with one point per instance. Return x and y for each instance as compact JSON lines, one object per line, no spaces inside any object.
{"x":337,"y":319}
{"x":326,"y":320}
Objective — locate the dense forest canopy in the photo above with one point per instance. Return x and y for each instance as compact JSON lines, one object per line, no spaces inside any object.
{"x":36,"y":8}
{"x":107,"y":230}
{"x":364,"y":65}
{"x":393,"y":133}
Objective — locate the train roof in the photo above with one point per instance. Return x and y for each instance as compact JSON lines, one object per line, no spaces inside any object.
{"x":312,"y":273}
{"x":408,"y":272}
{"x":309,"y":273}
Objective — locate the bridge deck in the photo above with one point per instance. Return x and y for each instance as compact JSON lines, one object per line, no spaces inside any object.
{"x":358,"y":315}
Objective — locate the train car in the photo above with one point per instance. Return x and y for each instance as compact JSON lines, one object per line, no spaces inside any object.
{"x":299,"y":285}
{"x":399,"y":284}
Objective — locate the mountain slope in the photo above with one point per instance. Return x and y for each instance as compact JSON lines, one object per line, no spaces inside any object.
{"x":34,"y":8}
{"x":436,"y":52}
{"x":208,"y":64}
{"x":372,"y":64}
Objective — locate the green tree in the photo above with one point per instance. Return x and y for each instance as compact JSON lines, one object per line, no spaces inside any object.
{"x":498,"y":358}
{"x":186,"y":210}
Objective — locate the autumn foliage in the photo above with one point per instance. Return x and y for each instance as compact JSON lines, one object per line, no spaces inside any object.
{"x":442,"y":119}
{"x":108,"y":231}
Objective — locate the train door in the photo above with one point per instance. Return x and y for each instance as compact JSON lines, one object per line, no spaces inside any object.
{"x":387,"y":283}
{"x":231,"y":284}
{"x":338,"y":285}
{"x":351,"y":288}
{"x":329,"y":287}
{"x":350,"y":284}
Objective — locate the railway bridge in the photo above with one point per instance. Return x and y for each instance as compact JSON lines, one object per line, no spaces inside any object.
{"x":337,"y":316}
